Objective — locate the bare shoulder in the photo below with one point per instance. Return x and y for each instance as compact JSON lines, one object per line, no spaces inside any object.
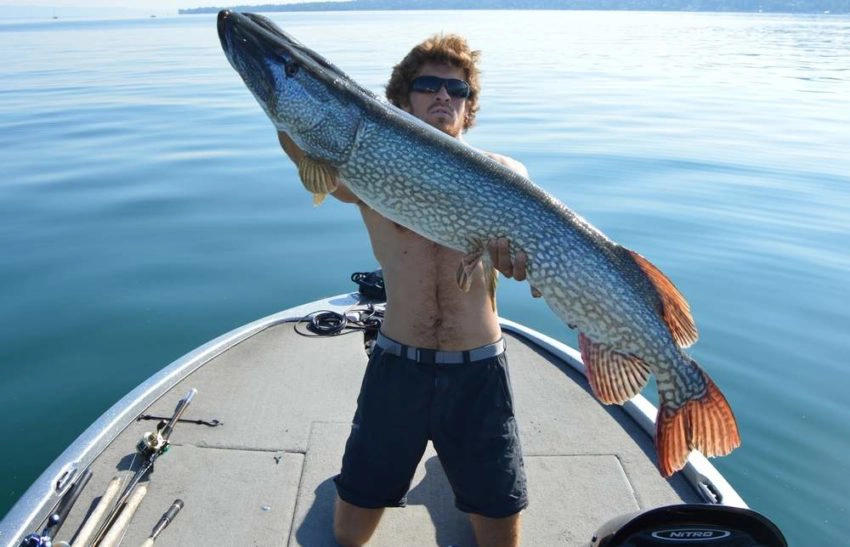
{"x":510,"y":163}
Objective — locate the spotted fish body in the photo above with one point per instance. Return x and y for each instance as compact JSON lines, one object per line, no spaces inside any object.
{"x":632,"y":320}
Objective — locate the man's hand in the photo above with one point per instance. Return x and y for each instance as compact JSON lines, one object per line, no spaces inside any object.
{"x":500,"y":256}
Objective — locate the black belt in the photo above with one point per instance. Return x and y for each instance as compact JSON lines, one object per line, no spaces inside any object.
{"x":439,"y":357}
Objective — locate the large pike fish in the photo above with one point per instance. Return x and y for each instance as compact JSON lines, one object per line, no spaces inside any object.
{"x":632,"y":320}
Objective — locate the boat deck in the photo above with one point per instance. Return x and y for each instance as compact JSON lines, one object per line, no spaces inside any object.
{"x":265,"y":477}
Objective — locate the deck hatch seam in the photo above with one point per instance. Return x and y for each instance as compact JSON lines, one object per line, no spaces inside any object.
{"x":569,"y":454}
{"x":246,"y":448}
{"x":628,"y":478}
{"x":298,"y":489}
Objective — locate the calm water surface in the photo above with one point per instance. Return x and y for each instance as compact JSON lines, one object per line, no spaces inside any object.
{"x":145,"y":207}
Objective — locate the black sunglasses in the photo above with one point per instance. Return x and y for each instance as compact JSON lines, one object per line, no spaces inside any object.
{"x":432,"y":84}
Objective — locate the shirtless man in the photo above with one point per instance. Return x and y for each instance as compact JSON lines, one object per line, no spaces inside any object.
{"x":438,"y":371}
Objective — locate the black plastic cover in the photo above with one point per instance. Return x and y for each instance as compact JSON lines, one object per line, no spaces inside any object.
{"x":690,"y":525}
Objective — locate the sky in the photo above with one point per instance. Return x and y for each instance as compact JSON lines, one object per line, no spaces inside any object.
{"x":37,"y":8}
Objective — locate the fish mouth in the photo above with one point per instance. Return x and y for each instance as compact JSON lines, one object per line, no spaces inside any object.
{"x":251,"y":35}
{"x":252,"y":27}
{"x":257,"y":49}
{"x":251,"y":45}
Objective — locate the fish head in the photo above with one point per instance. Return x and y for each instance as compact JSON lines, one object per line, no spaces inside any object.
{"x":303,"y":95}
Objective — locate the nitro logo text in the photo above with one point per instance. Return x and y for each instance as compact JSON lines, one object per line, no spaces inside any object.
{"x":691,"y":534}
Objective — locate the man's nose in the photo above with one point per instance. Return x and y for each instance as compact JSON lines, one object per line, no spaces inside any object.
{"x":443,"y":93}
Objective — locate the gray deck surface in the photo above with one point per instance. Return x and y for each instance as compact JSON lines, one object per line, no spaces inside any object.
{"x":264,"y":477}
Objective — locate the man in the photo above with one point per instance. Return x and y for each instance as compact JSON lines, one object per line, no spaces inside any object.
{"x":438,"y":371}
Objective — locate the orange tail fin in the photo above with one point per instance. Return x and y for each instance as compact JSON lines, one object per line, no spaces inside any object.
{"x":706,"y":424}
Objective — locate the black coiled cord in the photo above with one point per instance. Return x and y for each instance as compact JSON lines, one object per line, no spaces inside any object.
{"x":371,"y":284}
{"x":327,"y":323}
{"x":331,"y":323}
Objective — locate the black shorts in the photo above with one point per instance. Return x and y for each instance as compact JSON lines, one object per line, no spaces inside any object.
{"x":465,"y":409}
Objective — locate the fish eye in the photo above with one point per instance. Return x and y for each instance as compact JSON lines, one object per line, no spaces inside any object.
{"x":291,"y":69}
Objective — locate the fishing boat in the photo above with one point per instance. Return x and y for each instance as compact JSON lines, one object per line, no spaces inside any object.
{"x":252,"y":458}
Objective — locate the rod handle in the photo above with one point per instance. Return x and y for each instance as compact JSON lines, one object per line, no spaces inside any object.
{"x":116,"y":533}
{"x":91,"y":523}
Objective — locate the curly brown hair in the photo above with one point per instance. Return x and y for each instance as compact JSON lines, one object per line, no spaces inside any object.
{"x":449,"y":49}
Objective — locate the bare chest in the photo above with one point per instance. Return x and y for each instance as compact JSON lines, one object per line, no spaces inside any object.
{"x":425,"y":306}
{"x":412,"y":258}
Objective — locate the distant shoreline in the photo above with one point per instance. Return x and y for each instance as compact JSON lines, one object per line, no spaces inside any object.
{"x":722,"y":6}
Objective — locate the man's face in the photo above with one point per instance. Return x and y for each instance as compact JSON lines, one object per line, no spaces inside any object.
{"x":439,"y":109}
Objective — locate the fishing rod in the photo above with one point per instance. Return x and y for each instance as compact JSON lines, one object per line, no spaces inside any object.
{"x":151,"y":446}
{"x":90,"y":526}
{"x":115,"y":534}
{"x":164,"y":521}
{"x":58,"y":516}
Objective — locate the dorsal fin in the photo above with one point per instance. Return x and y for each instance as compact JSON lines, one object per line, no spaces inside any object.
{"x":674,"y":308}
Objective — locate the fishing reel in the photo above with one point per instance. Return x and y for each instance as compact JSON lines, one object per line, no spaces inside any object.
{"x":37,"y":540}
{"x":153,"y":442}
{"x":58,"y":515}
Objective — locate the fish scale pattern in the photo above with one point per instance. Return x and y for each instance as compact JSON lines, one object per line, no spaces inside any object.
{"x":448,"y":192}
{"x":465,"y":199}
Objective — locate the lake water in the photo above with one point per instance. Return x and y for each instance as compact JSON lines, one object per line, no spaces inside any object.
{"x":145,"y":207}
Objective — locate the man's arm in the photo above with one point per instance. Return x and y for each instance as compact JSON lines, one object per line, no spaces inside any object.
{"x":341,"y":193}
{"x":500,"y":248}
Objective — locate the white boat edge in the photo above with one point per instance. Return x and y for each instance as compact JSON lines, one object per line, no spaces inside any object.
{"x":42,"y":496}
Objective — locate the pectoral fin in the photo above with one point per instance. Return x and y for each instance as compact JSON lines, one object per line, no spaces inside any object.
{"x":614,"y":377}
{"x":318,"y":177}
{"x":467,"y":265}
